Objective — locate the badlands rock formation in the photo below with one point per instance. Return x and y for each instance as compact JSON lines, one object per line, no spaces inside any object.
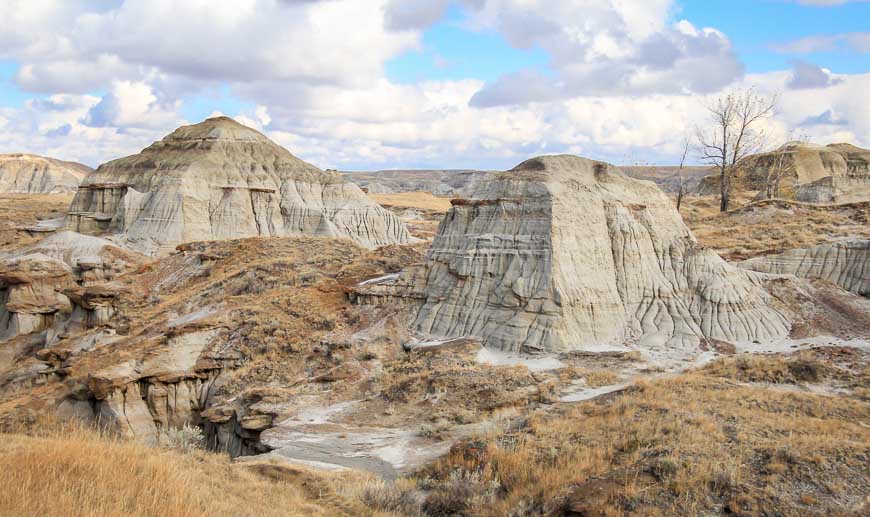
{"x":40,"y":284}
{"x":220,"y":180}
{"x":835,"y":190}
{"x":31,"y":174}
{"x":846,"y":264}
{"x":438,"y":182}
{"x":563,"y":253}
{"x":802,"y":163}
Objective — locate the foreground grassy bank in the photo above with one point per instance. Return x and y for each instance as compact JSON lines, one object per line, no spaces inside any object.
{"x":79,"y":472}
{"x":745,"y":435}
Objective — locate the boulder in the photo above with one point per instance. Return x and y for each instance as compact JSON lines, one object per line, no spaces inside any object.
{"x":221,"y":180}
{"x":31,"y":174}
{"x":563,"y":253}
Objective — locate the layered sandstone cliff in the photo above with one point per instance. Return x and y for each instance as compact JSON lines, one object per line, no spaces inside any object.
{"x":563,"y":253}
{"x":846,"y":264}
{"x":221,"y":180}
{"x":45,"y":284}
{"x":31,"y":174}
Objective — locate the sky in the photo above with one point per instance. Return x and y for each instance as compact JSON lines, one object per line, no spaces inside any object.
{"x":381,"y":84}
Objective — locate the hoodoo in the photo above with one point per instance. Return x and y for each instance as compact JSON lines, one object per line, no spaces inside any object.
{"x":563,"y":253}
{"x":221,"y":180}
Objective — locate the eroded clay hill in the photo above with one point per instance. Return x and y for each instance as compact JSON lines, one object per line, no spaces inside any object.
{"x":564,"y":253}
{"x":845,"y":263}
{"x":221,"y":180}
{"x":835,"y":173}
{"x":31,"y":174}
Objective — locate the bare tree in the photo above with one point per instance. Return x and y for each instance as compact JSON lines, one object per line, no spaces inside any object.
{"x":783,"y":164}
{"x":682,"y":190}
{"x":733,"y":134}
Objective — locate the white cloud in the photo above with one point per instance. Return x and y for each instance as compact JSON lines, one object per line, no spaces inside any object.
{"x":244,"y":40}
{"x":853,"y":41}
{"x":605,"y":47}
{"x":53,"y":127}
{"x":807,"y":75}
{"x":623,"y":81}
{"x":414,"y":14}
{"x":132,"y":104}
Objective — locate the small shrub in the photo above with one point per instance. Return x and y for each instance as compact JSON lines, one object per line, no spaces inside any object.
{"x":663,"y":469}
{"x":460,"y":492}
{"x":186,"y":439}
{"x":600,"y":378}
{"x":390,"y":497}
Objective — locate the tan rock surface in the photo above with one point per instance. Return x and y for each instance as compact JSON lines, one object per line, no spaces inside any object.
{"x":803,"y":163}
{"x":222,"y":180}
{"x":32,"y":174}
{"x":36,"y":282}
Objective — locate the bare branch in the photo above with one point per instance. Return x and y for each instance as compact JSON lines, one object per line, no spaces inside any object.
{"x":734,"y":134}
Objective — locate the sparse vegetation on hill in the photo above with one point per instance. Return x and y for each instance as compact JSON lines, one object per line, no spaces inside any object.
{"x":771,"y":226}
{"x":19,"y":211}
{"x":698,"y":443}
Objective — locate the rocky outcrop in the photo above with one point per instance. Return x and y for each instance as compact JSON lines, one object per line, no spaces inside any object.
{"x":40,"y":284}
{"x":164,"y":388}
{"x":835,"y":190}
{"x":846,"y":264}
{"x":799,"y":163}
{"x":563,"y":253}
{"x":29,"y":294}
{"x":437,"y":182}
{"x":222,"y":180}
{"x":31,"y":174}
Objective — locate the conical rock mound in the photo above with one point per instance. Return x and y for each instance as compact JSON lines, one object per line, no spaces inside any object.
{"x":563,"y":253}
{"x":31,"y":174}
{"x":221,"y":180}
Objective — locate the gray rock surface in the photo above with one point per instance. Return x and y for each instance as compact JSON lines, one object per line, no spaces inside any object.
{"x":458,"y":182}
{"x":846,"y":264}
{"x":563,"y":253}
{"x":462,"y":183}
{"x":835,"y":190}
{"x":221,"y":180}
{"x":32,"y":174}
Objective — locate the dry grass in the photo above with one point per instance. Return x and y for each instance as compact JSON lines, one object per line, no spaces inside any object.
{"x":772,"y":226}
{"x":447,"y":385}
{"x":18,"y":211}
{"x":81,"y":473}
{"x":422,"y":200}
{"x":796,"y":369}
{"x":687,"y":445}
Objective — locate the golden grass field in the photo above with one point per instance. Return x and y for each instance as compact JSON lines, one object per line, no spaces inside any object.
{"x":423,"y":200}
{"x":18,"y":211}
{"x":76,"y":472}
